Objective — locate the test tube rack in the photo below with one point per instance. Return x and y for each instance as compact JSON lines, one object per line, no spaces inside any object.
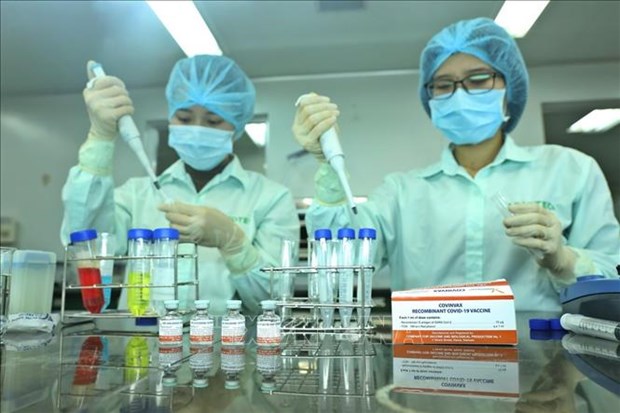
{"x":111,"y":314}
{"x":304,"y":311}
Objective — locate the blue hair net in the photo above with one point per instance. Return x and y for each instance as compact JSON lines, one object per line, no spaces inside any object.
{"x":484,"y":39}
{"x":215,"y":83}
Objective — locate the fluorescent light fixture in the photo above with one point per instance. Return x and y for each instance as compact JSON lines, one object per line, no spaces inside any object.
{"x":257,"y":132}
{"x":518,"y":17}
{"x":597,"y":121}
{"x":186,"y":26}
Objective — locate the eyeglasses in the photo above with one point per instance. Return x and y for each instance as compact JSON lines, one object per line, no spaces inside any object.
{"x":475,"y":84}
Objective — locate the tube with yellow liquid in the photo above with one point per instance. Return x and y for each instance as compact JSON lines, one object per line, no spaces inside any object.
{"x":139,"y":277}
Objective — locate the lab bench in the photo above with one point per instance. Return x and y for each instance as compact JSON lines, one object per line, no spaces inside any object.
{"x":94,"y":368}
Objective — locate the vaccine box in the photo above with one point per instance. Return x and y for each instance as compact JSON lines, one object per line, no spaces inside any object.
{"x":468,"y":314}
{"x":473,"y":371}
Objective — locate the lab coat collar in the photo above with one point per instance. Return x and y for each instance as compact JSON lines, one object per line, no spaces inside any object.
{"x":233,"y":170}
{"x":509,"y":151}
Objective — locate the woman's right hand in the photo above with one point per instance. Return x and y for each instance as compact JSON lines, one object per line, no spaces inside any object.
{"x":106,"y":101}
{"x":315,"y":115}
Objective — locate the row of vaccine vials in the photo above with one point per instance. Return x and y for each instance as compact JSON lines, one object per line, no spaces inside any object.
{"x":328,"y":286}
{"x":233,"y":325}
{"x":141,"y":243}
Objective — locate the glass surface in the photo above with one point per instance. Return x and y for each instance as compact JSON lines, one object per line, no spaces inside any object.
{"x":311,"y":373}
{"x":6,"y":261}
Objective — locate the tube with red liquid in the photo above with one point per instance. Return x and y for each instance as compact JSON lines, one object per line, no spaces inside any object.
{"x":83,"y":246}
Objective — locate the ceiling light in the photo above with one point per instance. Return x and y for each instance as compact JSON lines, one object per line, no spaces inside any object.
{"x":186,"y":26}
{"x":597,"y":121}
{"x":257,"y":132}
{"x":518,"y":17}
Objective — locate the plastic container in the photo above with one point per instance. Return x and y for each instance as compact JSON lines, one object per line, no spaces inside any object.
{"x":345,"y":248}
{"x":367,"y":240}
{"x":32,"y":285}
{"x":107,"y":246}
{"x":84,"y":246}
{"x":322,"y":248}
{"x":139,"y":245}
{"x":165,"y":241}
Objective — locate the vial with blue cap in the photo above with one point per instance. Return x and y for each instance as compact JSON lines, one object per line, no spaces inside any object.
{"x":165,"y":278}
{"x":345,"y":250}
{"x":139,"y":277}
{"x":83,"y":249}
{"x":367,"y":239}
{"x":323,"y":249}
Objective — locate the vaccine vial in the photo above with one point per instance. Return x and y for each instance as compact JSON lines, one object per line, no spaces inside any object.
{"x":200,"y":362}
{"x":233,"y":324}
{"x":268,"y":364}
{"x":165,"y":242}
{"x":84,"y":246}
{"x":367,"y":239}
{"x":201,"y":325}
{"x":345,"y":250}
{"x":268,"y":325}
{"x":232,"y":363}
{"x":171,"y":325}
{"x":170,"y":358}
{"x":139,"y":250}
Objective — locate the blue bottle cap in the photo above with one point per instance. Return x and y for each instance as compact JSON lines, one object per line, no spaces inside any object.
{"x":554,"y":324}
{"x":590,"y":278}
{"x":539,"y":324}
{"x":346,"y":233}
{"x":558,"y":334}
{"x":171,"y":233}
{"x":323,"y":233}
{"x":146,"y":321}
{"x":84,"y":235}
{"x":540,"y":334}
{"x":367,"y":233}
{"x":136,"y":233}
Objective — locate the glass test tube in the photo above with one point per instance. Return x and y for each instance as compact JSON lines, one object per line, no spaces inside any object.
{"x":367,"y":239}
{"x":139,"y":248}
{"x":345,"y":248}
{"x":83,"y":246}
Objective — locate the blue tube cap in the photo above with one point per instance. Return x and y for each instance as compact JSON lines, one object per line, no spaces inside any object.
{"x":540,"y":334}
{"x":346,"y":233}
{"x":539,"y":324}
{"x":323,"y":233}
{"x":590,"y":278}
{"x":555,"y":324}
{"x":84,"y":235}
{"x":367,"y":233}
{"x":136,"y":233}
{"x":146,"y":321}
{"x":170,"y":233}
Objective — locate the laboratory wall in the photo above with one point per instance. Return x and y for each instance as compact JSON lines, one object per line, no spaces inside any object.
{"x":383,"y":129}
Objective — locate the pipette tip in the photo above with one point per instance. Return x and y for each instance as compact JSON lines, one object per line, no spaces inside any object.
{"x":354,"y":208}
{"x":156,"y":184}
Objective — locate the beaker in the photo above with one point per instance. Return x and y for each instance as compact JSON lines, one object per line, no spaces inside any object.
{"x":6,"y":262}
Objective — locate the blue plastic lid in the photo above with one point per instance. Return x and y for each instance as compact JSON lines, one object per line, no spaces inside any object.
{"x":346,"y":233}
{"x":136,"y":233}
{"x":84,"y":235}
{"x":367,"y":233}
{"x":146,"y":321}
{"x":171,"y":233}
{"x":540,"y":334}
{"x":555,"y":324}
{"x":323,"y":233}
{"x":539,"y":324}
{"x":590,"y":278}
{"x":558,"y":334}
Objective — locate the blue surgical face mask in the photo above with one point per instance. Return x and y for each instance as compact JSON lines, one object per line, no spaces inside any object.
{"x":469,"y":119}
{"x":200,"y":147}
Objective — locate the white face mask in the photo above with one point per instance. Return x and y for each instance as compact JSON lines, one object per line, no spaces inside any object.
{"x":200,"y":147}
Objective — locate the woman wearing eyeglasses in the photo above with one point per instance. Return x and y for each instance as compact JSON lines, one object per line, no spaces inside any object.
{"x":537,"y":216}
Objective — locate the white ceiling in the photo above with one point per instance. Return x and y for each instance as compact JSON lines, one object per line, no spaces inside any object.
{"x":45,"y":44}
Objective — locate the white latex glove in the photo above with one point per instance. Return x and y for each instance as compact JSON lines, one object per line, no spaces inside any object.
{"x":315,"y":115}
{"x":106,"y":101}
{"x":532,"y":226}
{"x":205,"y":226}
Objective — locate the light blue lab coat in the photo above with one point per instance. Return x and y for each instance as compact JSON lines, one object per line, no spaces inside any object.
{"x":438,"y":225}
{"x":264,"y":210}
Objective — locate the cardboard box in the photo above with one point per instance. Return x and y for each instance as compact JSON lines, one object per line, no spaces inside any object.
{"x":476,"y":313}
{"x":475,"y":371}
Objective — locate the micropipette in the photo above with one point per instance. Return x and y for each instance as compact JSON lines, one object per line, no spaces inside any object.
{"x":330,"y":145}
{"x":129,"y":133}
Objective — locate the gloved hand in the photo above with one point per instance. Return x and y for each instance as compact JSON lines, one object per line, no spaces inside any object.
{"x":205,"y":226}
{"x":315,"y":115}
{"x":106,"y":101}
{"x":532,"y":226}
